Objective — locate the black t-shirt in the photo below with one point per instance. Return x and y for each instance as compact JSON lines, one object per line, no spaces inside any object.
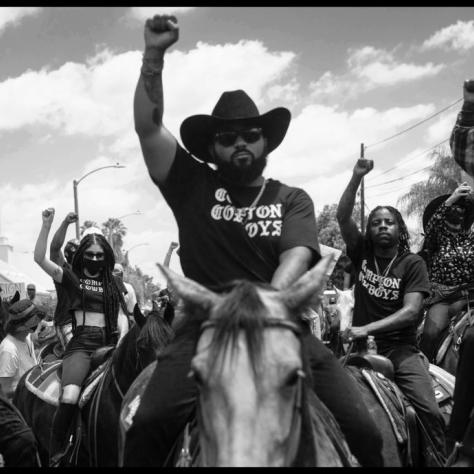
{"x":221,"y":239}
{"x":74,"y":286}
{"x":62,"y":314}
{"x":377,"y":297}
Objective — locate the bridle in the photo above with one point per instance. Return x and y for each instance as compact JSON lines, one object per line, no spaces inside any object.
{"x":295,"y":428}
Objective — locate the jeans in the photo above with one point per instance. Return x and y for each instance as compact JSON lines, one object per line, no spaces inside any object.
{"x":170,"y":397}
{"x":414,"y":380}
{"x":464,"y":389}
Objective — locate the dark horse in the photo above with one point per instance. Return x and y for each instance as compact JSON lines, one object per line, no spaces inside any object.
{"x":255,"y":405}
{"x":99,"y":416}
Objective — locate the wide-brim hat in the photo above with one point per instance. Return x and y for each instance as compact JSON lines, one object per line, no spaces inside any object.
{"x":24,"y":315}
{"x":466,"y":201}
{"x":233,"y":106}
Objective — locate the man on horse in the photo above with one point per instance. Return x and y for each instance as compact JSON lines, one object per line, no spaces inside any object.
{"x":461,"y":429}
{"x":233,"y":224}
{"x":389,"y":290}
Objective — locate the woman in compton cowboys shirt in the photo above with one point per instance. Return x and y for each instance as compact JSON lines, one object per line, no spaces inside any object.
{"x":99,"y":318}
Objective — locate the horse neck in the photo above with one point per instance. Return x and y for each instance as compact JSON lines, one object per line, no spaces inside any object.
{"x":125,"y":359}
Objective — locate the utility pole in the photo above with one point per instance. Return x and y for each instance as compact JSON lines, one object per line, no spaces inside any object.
{"x":76,"y":207}
{"x":362,"y":197}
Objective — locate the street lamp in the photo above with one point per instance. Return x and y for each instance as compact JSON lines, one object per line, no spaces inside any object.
{"x":136,"y":213}
{"x":76,"y":182}
{"x":138,"y":245}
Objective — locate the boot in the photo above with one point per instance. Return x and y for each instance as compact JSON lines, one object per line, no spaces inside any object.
{"x":60,"y":432}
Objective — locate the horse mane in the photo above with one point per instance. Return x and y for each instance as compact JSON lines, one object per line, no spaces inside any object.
{"x":242,"y":309}
{"x":149,"y":340}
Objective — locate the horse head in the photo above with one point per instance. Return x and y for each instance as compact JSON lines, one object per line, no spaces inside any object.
{"x":345,"y":307}
{"x":144,"y":341}
{"x":248,"y":367}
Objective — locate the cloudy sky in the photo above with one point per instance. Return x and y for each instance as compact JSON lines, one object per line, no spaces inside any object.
{"x":348,"y":75}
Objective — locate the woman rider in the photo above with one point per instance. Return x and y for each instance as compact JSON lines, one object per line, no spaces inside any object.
{"x":449,"y":253}
{"x":99,"y":318}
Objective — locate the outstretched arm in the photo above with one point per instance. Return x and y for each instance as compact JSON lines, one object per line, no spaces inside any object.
{"x":349,"y":230}
{"x":157,"y":143}
{"x":55,"y":253}
{"x":51,"y":268}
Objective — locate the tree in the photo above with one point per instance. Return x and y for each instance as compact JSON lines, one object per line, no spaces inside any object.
{"x":444,"y":177}
{"x":114,"y":231}
{"x":330,"y":235}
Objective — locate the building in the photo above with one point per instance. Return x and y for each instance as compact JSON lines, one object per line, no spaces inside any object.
{"x":17,"y":269}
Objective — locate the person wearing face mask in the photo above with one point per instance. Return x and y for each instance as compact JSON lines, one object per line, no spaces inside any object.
{"x":448,"y":249}
{"x":62,"y":316}
{"x":98,"y":318}
{"x":17,"y":352}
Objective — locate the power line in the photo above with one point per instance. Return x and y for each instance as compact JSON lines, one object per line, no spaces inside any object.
{"x":402,"y":177}
{"x":408,"y":158}
{"x":415,"y":125}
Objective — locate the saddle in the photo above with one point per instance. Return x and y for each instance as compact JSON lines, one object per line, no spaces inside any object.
{"x":457,"y":328}
{"x":377,"y":373}
{"x":44,"y":381}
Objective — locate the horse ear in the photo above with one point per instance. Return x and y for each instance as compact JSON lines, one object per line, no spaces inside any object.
{"x":15,"y":298}
{"x":189,"y":290}
{"x":308,"y":285}
{"x":138,"y":316}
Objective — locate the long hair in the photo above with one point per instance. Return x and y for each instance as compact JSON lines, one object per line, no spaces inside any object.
{"x":113,"y":298}
{"x":404,"y":236}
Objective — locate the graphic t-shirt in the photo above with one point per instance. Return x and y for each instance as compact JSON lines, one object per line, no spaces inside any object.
{"x":16,"y":357}
{"x":75,"y":286}
{"x":377,"y":296}
{"x":62,"y":314}
{"x":221,"y":238}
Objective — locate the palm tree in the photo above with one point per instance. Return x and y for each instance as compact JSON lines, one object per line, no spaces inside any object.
{"x":114,"y":231}
{"x":445,"y":175}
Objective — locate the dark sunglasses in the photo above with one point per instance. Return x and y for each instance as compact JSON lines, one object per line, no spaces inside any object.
{"x":229,"y":138}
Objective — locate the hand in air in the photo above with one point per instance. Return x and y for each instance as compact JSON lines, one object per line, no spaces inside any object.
{"x":161,"y":31}
{"x":48,"y":215}
{"x":462,"y":190}
{"x":71,"y":217}
{"x":468,"y":90}
{"x":363,"y":166}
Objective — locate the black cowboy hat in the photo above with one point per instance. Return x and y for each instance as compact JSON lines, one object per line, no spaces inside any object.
{"x":196,"y":131}
{"x":466,"y":201}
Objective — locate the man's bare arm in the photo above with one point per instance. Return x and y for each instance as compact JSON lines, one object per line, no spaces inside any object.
{"x":55,"y":253}
{"x":157,"y":143}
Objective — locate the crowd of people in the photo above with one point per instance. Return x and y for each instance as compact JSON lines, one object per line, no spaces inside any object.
{"x":262,"y":230}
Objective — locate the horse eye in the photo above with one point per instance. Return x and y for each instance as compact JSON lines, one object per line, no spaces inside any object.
{"x":194,"y":374}
{"x":293,"y":377}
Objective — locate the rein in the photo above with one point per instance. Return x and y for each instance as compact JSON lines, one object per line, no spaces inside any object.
{"x":295,"y":428}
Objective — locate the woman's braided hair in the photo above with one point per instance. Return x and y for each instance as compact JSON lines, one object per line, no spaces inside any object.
{"x":404,"y":236}
{"x":113,"y":298}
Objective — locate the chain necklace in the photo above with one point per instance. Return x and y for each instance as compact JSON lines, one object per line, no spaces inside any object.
{"x":255,"y":201}
{"x":383,"y":275}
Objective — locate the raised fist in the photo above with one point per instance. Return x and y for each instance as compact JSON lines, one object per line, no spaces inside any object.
{"x":363,"y":166}
{"x":71,"y":217}
{"x":161,"y":31}
{"x":468,"y":90}
{"x":48,"y":215}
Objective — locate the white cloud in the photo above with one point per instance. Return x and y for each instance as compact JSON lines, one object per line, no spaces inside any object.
{"x":367,"y":69}
{"x":12,"y":16}
{"x":458,"y":37}
{"x":143,"y":13}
